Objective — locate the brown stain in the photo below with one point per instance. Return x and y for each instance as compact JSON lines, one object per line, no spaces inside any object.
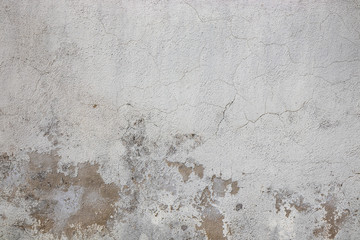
{"x":212,"y":223}
{"x":319,"y":231}
{"x":22,"y":225}
{"x":184,"y":227}
{"x":234,"y":188}
{"x":97,"y":203}
{"x":199,"y":170}
{"x":185,"y":171}
{"x":220,"y":186}
{"x":94,"y":200}
{"x":333,"y":219}
{"x":278,"y":202}
{"x":284,"y":197}
{"x":205,"y":198}
{"x":287,"y":212}
{"x":45,"y":181}
{"x":300,"y":205}
{"x":211,"y":218}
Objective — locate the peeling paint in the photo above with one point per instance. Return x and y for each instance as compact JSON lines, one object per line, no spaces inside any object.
{"x":334,"y":219}
{"x":63,"y":203}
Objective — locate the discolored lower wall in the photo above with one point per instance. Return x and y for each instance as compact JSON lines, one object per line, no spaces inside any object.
{"x":180,"y":120}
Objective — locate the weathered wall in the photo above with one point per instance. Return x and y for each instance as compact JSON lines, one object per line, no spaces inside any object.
{"x":179,"y":119}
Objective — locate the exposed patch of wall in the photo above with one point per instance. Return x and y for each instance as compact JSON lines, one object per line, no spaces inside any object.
{"x":334,"y":219}
{"x":64,"y":202}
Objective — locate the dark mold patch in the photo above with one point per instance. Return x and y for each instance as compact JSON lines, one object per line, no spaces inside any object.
{"x":5,"y":166}
{"x":184,"y":142}
{"x":184,"y":227}
{"x":238,"y":207}
{"x":326,"y":124}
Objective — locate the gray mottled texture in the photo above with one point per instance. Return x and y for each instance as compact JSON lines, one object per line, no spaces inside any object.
{"x":216,"y":119}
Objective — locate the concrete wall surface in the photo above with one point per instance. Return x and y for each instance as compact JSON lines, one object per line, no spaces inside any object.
{"x":180,"y":119}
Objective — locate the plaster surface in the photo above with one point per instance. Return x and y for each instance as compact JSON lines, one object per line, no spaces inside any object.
{"x":180,"y":119}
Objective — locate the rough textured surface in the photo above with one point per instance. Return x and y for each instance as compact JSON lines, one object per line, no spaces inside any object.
{"x":180,"y":119}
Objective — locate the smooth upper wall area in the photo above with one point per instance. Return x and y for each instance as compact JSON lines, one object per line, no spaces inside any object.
{"x":142,"y":120}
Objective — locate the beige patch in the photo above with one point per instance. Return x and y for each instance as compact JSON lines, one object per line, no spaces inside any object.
{"x":199,"y":170}
{"x":212,"y":223}
{"x":234,"y":188}
{"x":284,"y":198}
{"x":220,"y":186}
{"x":334,"y":220}
{"x":185,"y":171}
{"x":211,"y":218}
{"x":64,"y":203}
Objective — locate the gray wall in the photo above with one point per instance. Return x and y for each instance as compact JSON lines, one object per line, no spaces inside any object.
{"x":179,"y":119}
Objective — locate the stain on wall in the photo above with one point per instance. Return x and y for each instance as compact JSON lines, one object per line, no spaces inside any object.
{"x":62,"y":202}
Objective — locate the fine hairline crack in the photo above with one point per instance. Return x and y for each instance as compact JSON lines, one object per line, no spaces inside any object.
{"x":273,"y":113}
{"x":224,"y":112}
